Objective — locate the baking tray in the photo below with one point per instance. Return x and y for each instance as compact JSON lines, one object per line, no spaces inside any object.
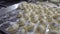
{"x":6,"y":11}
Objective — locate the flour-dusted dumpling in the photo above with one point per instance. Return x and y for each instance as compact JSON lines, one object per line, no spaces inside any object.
{"x":57,"y":18}
{"x":21,"y":30}
{"x":12,"y":29}
{"x":53,"y":32}
{"x":40,"y":30}
{"x":32,"y":19}
{"x":54,"y":26}
{"x":21,"y":23}
{"x":29,"y":28}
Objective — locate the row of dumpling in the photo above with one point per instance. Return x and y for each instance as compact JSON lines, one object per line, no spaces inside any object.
{"x":35,"y":18}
